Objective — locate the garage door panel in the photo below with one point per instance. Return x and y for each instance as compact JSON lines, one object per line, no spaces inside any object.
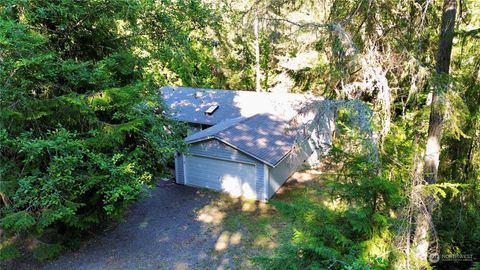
{"x":232,"y":177}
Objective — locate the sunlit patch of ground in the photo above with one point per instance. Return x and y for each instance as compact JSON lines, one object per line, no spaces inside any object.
{"x":245,"y":228}
{"x":181,"y":227}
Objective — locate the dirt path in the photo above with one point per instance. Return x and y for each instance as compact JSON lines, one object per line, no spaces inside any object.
{"x":180,"y":227}
{"x":159,"y":232}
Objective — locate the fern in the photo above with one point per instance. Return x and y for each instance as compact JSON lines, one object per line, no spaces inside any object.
{"x":20,"y":221}
{"x":44,"y":251}
{"x":9,"y":252}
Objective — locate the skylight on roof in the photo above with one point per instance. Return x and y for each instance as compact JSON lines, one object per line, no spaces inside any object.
{"x":211,"y":109}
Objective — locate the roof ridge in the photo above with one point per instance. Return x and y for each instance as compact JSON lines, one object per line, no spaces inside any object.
{"x":187,"y":88}
{"x":208,"y":132}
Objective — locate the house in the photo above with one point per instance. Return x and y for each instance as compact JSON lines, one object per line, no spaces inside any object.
{"x":246,"y":143}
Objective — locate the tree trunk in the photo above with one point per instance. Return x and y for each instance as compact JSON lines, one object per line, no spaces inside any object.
{"x":257,"y":54}
{"x":6,"y":201}
{"x":432,"y":151}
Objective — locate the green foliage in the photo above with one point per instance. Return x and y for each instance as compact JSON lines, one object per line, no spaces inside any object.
{"x":475,"y":266}
{"x":9,"y":251}
{"x":351,"y":230}
{"x":83,"y":132}
{"x":82,"y":129}
{"x":457,"y":219}
{"x":383,"y":53}
{"x":44,"y":251}
{"x":20,"y":221}
{"x":375,"y":263}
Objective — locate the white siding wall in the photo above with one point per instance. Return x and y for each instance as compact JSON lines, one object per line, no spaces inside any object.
{"x":278,"y":175}
{"x":216,"y":149}
{"x":267,"y":180}
{"x":310,"y":150}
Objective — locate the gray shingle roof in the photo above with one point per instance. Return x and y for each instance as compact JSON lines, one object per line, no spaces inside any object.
{"x":262,"y":136}
{"x":211,"y":131}
{"x":258,"y":124}
{"x":189,"y":104}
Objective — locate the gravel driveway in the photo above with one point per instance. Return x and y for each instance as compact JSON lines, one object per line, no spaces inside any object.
{"x":159,"y":232}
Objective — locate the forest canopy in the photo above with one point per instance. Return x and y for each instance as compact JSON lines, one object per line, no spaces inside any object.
{"x":83,"y":131}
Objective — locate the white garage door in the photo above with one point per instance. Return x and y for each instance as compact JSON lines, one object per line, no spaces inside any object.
{"x":233,"y":177}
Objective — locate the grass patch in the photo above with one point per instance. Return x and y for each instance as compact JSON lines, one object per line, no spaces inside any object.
{"x":247,"y":228}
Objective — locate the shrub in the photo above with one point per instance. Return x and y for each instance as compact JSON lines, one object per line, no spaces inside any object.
{"x":83,"y":130}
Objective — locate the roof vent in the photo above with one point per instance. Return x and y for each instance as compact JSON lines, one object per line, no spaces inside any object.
{"x":198,"y":94}
{"x":211,"y":110}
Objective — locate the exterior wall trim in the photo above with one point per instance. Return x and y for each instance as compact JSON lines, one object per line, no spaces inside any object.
{"x":257,"y":197}
{"x":185,"y":177}
{"x":265,"y":182}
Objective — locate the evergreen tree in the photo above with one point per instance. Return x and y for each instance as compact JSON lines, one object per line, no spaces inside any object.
{"x":83,"y":130}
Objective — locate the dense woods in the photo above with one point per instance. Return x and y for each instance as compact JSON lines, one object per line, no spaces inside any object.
{"x":83,"y":131}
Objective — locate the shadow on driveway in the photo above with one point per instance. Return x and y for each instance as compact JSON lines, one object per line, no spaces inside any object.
{"x":159,"y":232}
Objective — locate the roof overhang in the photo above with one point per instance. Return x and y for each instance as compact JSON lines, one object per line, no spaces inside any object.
{"x":236,"y":148}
